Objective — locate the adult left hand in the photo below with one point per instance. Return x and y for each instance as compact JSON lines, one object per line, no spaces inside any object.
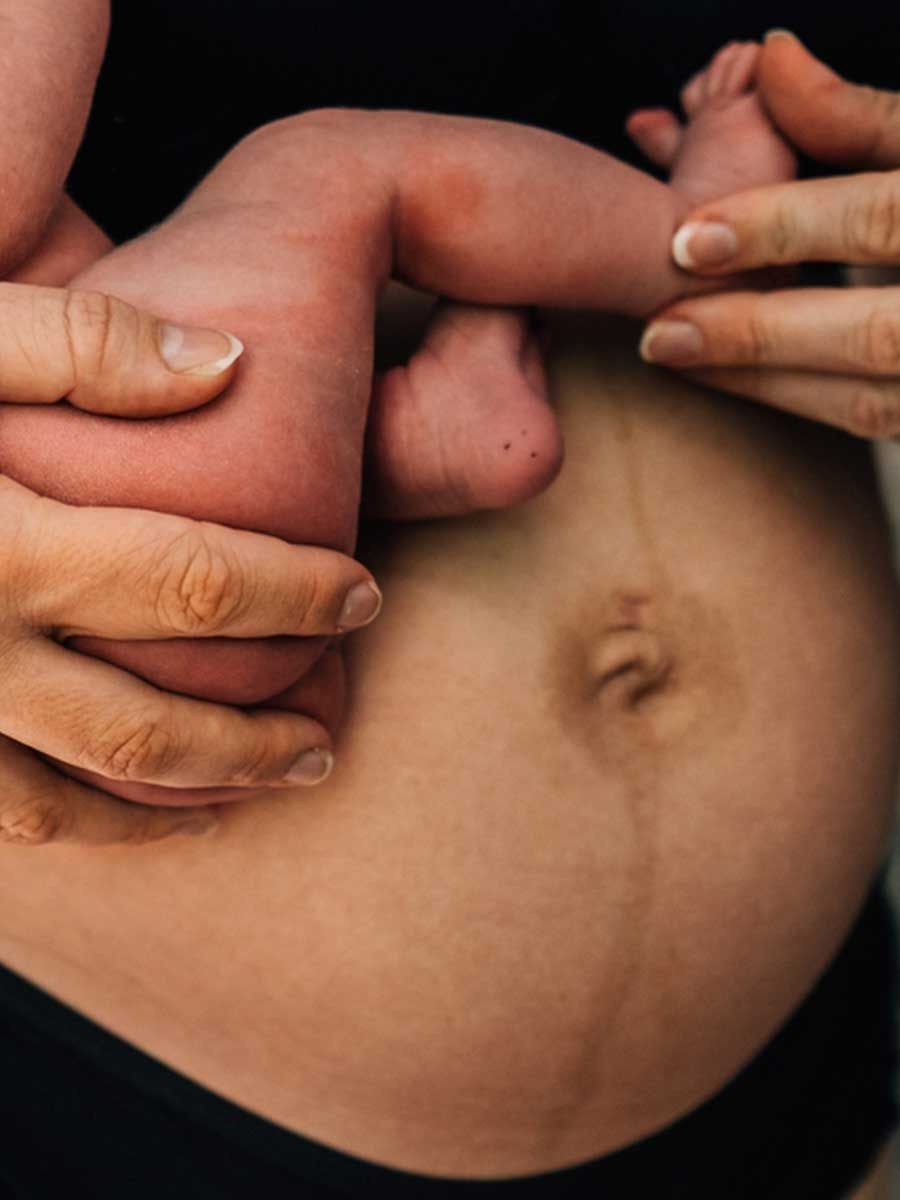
{"x":831,"y":354}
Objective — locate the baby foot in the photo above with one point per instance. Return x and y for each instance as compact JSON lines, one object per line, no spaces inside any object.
{"x":728,"y":143}
{"x":465,"y":423}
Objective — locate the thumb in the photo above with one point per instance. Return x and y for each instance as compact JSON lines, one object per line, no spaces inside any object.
{"x":104,"y":355}
{"x":823,"y":115}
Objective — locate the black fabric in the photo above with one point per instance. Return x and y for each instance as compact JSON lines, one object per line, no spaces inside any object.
{"x":185,"y":79}
{"x":85,"y":1114}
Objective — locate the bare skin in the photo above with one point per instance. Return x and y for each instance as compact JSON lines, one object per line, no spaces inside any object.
{"x":50,"y":54}
{"x":281,"y":453}
{"x":701,"y":723}
{"x":830,"y":354}
{"x":545,"y":857}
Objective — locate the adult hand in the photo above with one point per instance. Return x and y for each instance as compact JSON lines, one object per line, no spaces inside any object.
{"x":67,"y":571}
{"x":829,"y":354}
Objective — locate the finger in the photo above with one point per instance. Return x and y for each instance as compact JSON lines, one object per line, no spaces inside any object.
{"x":105,"y":356}
{"x":826,"y":117}
{"x":657,"y":133}
{"x":124,"y":573}
{"x":853,"y":220}
{"x":321,"y":694}
{"x":853,"y":331}
{"x":867,"y":408}
{"x":93,"y":716}
{"x":39,"y":806}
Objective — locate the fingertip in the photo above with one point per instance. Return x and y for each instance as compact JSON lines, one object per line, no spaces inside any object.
{"x":773,"y":35}
{"x":312,"y":767}
{"x":704,"y":246}
{"x":362,"y":605}
{"x":207,"y":353}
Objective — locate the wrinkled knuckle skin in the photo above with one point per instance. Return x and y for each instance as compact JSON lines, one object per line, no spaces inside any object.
{"x":873,"y":413}
{"x":873,"y":221}
{"x":757,"y":345}
{"x":258,"y":767}
{"x":35,"y":820}
{"x":782,"y":236}
{"x":141,"y":750}
{"x":879,"y":345}
{"x":199,"y":591}
{"x":87,"y":321}
{"x":314,"y":604}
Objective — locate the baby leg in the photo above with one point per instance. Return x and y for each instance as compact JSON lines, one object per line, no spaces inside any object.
{"x":276,"y":247}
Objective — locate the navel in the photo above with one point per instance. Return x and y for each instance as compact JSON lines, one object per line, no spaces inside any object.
{"x":651,"y":673}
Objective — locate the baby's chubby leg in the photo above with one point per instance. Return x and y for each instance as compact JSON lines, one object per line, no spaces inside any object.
{"x":288,"y":243}
{"x":477,"y":371}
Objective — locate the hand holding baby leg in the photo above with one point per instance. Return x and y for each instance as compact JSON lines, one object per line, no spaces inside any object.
{"x":70,"y":573}
{"x":829,"y":354}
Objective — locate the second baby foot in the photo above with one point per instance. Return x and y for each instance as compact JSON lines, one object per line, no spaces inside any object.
{"x":465,"y":424}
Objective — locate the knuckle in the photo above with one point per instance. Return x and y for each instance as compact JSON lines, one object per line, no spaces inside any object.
{"x":314,"y":601}
{"x":260,"y":762}
{"x":34,"y":820}
{"x":140,"y":747}
{"x":872,"y":220}
{"x":878,"y":344}
{"x":87,"y":324}
{"x":199,"y":589}
{"x":40,"y":562}
{"x":873,"y":412}
{"x":757,"y":340}
{"x":782,"y":234}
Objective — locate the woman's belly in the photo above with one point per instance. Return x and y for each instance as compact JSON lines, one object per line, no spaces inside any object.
{"x":619,"y":771}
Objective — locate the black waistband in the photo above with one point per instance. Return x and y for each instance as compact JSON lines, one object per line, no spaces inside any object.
{"x":84,"y":1113}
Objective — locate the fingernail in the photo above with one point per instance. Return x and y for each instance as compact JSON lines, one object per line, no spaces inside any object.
{"x":703,"y":244}
{"x":779,"y":33}
{"x":362,"y":605}
{"x":311,"y":767}
{"x":677,"y":343}
{"x":189,"y":351}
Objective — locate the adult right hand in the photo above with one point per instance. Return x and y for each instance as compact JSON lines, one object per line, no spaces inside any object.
{"x":829,"y":354}
{"x":67,"y":571}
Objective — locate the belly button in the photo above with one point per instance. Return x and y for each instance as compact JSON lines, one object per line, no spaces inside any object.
{"x":629,"y":665}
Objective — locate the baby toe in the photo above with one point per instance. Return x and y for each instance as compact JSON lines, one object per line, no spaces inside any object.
{"x":741,"y":71}
{"x":693,"y":94}
{"x":657,"y":133}
{"x":719,"y":70}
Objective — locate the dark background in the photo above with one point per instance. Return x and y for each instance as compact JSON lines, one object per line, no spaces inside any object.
{"x":185,"y":79}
